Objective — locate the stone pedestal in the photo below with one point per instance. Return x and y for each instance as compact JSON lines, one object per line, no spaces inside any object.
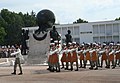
{"x":38,"y":50}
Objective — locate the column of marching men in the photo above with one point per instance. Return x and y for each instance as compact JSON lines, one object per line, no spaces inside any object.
{"x":75,"y":56}
{"x":53,"y":57}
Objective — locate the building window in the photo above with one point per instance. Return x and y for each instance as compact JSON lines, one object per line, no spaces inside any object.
{"x":116,"y":39}
{"x":102,"y":39}
{"x":109,"y":29}
{"x":109,"y":39}
{"x":96,"y":39}
{"x":102,"y":29}
{"x":95,"y":29}
{"x":76,"y":30}
{"x":64,"y":31}
{"x":115,"y":28}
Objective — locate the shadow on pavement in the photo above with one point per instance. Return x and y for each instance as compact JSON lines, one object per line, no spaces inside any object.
{"x":5,"y":75}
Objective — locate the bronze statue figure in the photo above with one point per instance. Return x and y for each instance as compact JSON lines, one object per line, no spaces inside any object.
{"x":25,"y":37}
{"x":68,"y":37}
{"x":54,"y":35}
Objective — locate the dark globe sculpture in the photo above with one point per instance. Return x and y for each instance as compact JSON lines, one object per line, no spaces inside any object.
{"x":45,"y":20}
{"x":45,"y":17}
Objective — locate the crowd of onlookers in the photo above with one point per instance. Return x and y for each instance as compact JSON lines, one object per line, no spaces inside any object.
{"x":5,"y":51}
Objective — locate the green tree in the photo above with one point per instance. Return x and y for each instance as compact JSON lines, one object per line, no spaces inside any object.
{"x":29,"y":20}
{"x":13,"y":23}
{"x":80,"y":21}
{"x":2,"y":30}
{"x":117,"y":18}
{"x":13,"y":26}
{"x":2,"y":22}
{"x":2,"y":35}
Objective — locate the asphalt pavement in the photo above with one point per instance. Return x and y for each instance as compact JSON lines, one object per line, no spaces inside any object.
{"x":39,"y":74}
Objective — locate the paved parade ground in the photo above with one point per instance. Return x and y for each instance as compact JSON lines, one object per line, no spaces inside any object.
{"x":39,"y":74}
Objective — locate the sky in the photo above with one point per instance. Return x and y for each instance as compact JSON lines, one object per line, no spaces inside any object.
{"x":68,"y":11}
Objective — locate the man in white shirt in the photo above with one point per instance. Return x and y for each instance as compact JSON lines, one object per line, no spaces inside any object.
{"x":17,"y":60}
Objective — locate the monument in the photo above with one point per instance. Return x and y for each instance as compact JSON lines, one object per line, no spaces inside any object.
{"x":24,"y":46}
{"x":68,"y":37}
{"x":39,"y":40}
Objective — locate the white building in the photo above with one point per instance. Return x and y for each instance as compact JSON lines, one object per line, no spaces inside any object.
{"x":104,"y":31}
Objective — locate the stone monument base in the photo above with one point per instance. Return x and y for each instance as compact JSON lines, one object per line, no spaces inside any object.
{"x":38,"y":49}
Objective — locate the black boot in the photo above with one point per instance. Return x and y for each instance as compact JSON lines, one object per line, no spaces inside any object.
{"x":84,"y":67}
{"x":14,"y":73}
{"x":62,"y":67}
{"x":113,"y":67}
{"x":108,"y":67}
{"x":71,"y":68}
{"x":58,"y":70}
{"x":91,"y":68}
{"x":76,"y":69}
{"x":20,"y":73}
{"x":80,"y":67}
{"x":96,"y":68}
{"x":52,"y":70}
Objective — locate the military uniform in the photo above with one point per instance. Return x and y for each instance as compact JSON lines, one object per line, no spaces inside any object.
{"x":86,"y":56}
{"x":81,"y":58}
{"x":64,"y":57}
{"x":117,"y":57}
{"x":94,"y":59}
{"x":17,"y":60}
{"x":74,"y":58}
{"x":53,"y":59}
{"x":111,"y":58}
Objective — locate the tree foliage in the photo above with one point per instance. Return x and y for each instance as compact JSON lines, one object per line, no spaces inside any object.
{"x":11,"y":23}
{"x":80,"y":21}
{"x":117,"y":18}
{"x":2,"y":35}
{"x":2,"y":30}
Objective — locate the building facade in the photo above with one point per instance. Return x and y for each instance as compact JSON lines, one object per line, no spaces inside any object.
{"x":104,"y":31}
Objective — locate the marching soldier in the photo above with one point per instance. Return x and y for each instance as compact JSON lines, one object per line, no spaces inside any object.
{"x":98,"y":49}
{"x":54,"y":59}
{"x":82,"y":58}
{"x":50,"y":58}
{"x":117,"y":57}
{"x":17,"y":60}
{"x":64,"y":55}
{"x":74,"y":57}
{"x":111,"y":58}
{"x":104,"y":56}
{"x":86,"y":56}
{"x":94,"y":59}
{"x":69,"y":57}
